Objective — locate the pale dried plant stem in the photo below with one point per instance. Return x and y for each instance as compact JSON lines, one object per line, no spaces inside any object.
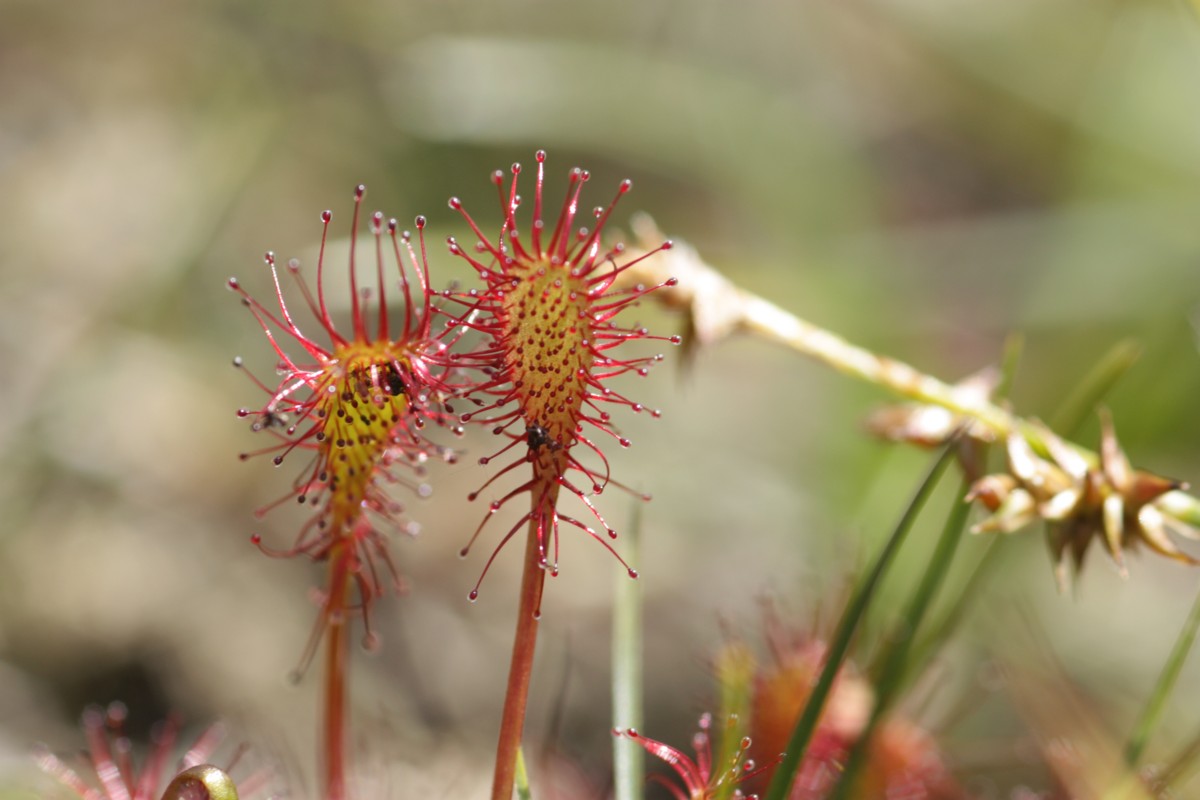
{"x":765,"y":319}
{"x":771,"y":322}
{"x":719,"y":308}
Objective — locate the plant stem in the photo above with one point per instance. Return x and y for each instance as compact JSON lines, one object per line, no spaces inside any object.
{"x":896,"y":660}
{"x":772,"y":322}
{"x":1180,"y":767}
{"x":522,"y":777}
{"x":768,"y":320}
{"x":718,"y":308}
{"x":806,"y":726}
{"x":628,"y":757}
{"x":336,"y":676}
{"x":1082,"y":401}
{"x":512,"y":721}
{"x":1162,"y":690}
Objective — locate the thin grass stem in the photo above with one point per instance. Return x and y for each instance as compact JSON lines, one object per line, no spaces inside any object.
{"x":629,"y":766}
{"x":939,"y":630}
{"x":785,"y":773}
{"x":1181,"y":766}
{"x":522,"y":777}
{"x":1081,"y":403}
{"x":1162,"y":689}
{"x":735,"y":669}
{"x":925,"y":647}
{"x":895,"y":663}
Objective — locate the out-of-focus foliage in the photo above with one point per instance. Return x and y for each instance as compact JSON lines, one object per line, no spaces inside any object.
{"x":922,"y":176}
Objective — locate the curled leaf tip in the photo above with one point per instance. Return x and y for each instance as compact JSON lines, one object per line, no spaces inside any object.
{"x":202,"y":782}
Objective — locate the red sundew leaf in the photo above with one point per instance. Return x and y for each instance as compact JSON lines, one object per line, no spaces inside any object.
{"x":547,"y":310}
{"x":702,"y":778}
{"x":110,"y":772}
{"x":358,"y":403}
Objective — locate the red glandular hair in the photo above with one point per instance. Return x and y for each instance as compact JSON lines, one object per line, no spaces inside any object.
{"x":110,"y":772}
{"x":703,"y":777}
{"x":547,"y":310}
{"x":357,"y":402}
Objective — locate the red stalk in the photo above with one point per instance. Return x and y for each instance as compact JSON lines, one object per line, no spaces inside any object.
{"x":512,"y":722}
{"x":336,"y":677}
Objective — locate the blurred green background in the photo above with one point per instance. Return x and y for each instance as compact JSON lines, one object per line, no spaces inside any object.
{"x":922,"y":176}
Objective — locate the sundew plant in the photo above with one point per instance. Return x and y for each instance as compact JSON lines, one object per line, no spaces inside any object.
{"x":366,"y":412}
{"x":813,"y":418}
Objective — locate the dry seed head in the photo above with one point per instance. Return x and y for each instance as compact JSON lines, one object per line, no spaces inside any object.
{"x":357,"y":402}
{"x":548,"y":315}
{"x":928,"y":425}
{"x":1080,"y":502}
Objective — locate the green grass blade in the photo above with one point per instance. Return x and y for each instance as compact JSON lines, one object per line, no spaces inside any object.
{"x":895,"y":662}
{"x":1180,"y":768}
{"x":629,"y":766}
{"x":1010,"y":359}
{"x":940,"y":630}
{"x":1087,"y":394}
{"x":785,"y":773}
{"x":735,"y":669}
{"x":522,"y":777}
{"x":1166,"y":682}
